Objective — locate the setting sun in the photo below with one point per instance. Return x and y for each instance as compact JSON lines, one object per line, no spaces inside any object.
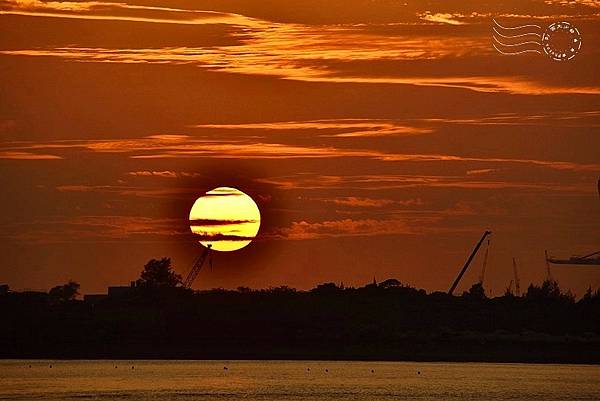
{"x":225,"y":218}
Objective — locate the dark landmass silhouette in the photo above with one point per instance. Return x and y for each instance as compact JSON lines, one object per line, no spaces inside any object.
{"x":158,"y":319}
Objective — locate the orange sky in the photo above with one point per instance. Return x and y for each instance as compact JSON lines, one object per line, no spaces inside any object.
{"x":379,"y":138}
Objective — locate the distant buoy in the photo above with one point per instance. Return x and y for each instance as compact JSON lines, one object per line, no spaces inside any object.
{"x":225,"y":368}
{"x":372,"y":371}
{"x":308,"y":369}
{"x":418,"y":372}
{"x":326,"y":370}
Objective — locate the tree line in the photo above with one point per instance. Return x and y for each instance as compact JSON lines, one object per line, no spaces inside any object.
{"x":158,"y":318}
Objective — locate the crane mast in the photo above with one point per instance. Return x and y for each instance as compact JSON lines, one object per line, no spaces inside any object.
{"x":548,"y":272}
{"x":517,"y":283}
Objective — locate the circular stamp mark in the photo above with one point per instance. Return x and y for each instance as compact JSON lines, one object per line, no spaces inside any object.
{"x":561,"y":41}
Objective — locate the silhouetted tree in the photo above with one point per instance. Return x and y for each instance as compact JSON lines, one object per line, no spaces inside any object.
{"x":390,"y":283}
{"x":591,"y":296}
{"x":326,"y":288}
{"x":65,"y":292}
{"x":550,"y":290}
{"x":158,"y":274}
{"x":476,"y":292}
{"x":283,"y":289}
{"x":4,"y":289}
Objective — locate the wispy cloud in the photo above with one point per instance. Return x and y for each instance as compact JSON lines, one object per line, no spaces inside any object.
{"x":128,"y":190}
{"x":212,"y":222}
{"x":292,"y":51}
{"x":190,"y":147}
{"x":570,"y":119}
{"x":304,"y":230}
{"x":332,"y":128}
{"x":96,"y":228}
{"x":362,"y":202}
{"x":482,"y":171}
{"x":27,"y":156}
{"x":164,"y":174}
{"x":444,"y":18}
{"x":396,"y":181}
{"x":574,"y":3}
{"x":114,"y":11}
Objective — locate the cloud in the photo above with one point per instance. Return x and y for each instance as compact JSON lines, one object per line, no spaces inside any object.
{"x":444,"y":18}
{"x":483,"y":84}
{"x":339,"y":128}
{"x":27,"y":156}
{"x":210,"y":222}
{"x":397,"y":181}
{"x":96,"y":228}
{"x":163,"y":174}
{"x":206,"y":237}
{"x":124,"y":190}
{"x":308,"y":53}
{"x":574,"y":3}
{"x":361,"y":202}
{"x":354,"y":201}
{"x":303,"y":230}
{"x":482,"y":171}
{"x":113,"y":11}
{"x":570,"y":119}
{"x":190,"y":147}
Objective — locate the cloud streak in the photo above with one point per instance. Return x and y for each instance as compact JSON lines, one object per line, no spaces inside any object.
{"x":300,"y":52}
{"x":343,"y":128}
{"x":96,"y":228}
{"x":397,"y":181}
{"x":112,"y":11}
{"x":159,"y":147}
{"x":11,"y":155}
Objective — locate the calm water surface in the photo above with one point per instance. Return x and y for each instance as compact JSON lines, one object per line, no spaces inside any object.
{"x":284,"y":380}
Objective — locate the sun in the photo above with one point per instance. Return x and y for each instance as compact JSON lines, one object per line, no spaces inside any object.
{"x":225,"y":218}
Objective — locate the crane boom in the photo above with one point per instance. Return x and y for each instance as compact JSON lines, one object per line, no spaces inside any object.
{"x":468,"y":262}
{"x":189,"y":280}
{"x":590,"y":255}
{"x":578,"y":260}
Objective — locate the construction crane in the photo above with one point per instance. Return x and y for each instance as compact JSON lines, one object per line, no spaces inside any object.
{"x":577,"y":260}
{"x":485,"y":259}
{"x":517,"y":282}
{"x":468,"y":262}
{"x":198,"y":263}
{"x":592,"y":259}
{"x":548,"y":272}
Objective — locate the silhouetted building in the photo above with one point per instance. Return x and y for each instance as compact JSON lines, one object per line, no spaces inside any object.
{"x":121,"y":291}
{"x":94,"y":298}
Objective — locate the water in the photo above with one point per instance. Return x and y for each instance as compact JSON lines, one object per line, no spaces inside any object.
{"x":287,"y":380}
